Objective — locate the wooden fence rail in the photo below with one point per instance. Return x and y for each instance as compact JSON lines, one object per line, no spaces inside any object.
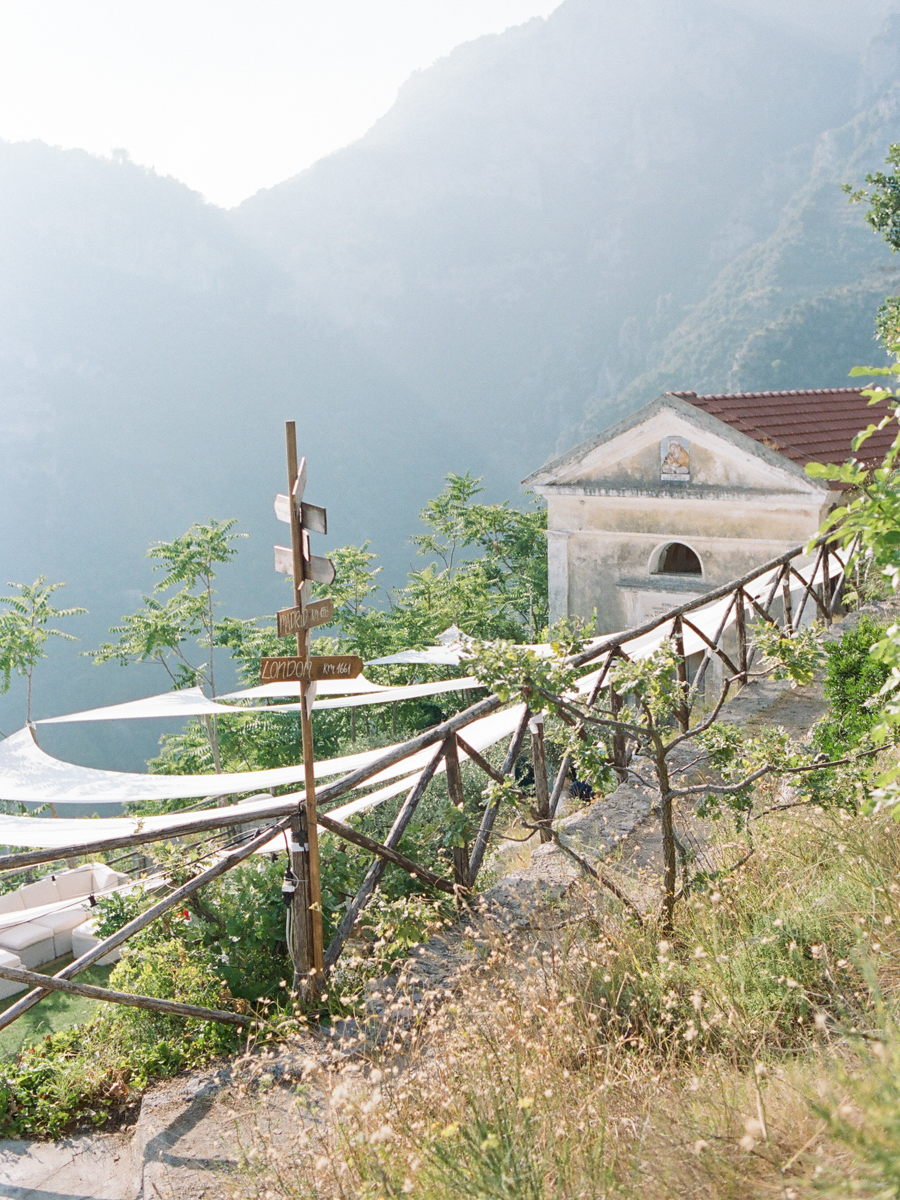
{"x":449,"y":742}
{"x":52,"y":983}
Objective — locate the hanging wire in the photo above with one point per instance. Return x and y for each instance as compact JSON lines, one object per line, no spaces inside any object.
{"x":63,"y":905}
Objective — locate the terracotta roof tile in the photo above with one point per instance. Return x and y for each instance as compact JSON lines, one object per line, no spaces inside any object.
{"x":804,"y":426}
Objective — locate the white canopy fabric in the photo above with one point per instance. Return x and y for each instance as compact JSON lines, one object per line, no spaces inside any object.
{"x":72,"y":831}
{"x":326,"y":687}
{"x":450,"y":645}
{"x":190,"y":702}
{"x":435,"y":656}
{"x":29,"y":775}
{"x":415,"y":691}
{"x":447,"y":656}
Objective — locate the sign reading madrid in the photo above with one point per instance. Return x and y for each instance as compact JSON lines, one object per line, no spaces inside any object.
{"x":317,"y":612}
{"x":332,"y":666}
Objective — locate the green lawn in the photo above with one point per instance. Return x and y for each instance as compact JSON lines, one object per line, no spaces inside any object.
{"x":56,"y":1012}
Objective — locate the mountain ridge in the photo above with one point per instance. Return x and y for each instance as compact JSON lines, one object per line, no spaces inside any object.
{"x":545,"y":224}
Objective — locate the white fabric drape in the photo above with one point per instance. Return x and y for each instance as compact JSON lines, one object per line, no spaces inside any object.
{"x":72,"y":831}
{"x":29,"y":775}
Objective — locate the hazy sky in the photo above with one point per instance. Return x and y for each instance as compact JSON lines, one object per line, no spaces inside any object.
{"x":234,"y":95}
{"x":227,"y":95}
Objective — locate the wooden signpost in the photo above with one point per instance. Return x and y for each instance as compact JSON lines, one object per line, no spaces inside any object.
{"x":307,"y":950}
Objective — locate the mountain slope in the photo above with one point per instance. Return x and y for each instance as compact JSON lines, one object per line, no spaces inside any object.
{"x":148,"y":361}
{"x":510,"y":239}
{"x":797,"y":309}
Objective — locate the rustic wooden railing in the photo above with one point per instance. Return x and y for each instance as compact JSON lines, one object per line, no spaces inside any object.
{"x":821,"y":583}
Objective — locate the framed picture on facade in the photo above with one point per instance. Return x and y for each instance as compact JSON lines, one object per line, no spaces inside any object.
{"x":675,"y":460}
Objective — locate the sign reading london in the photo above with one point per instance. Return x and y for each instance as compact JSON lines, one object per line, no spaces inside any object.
{"x":307,"y":670}
{"x":317,"y":612}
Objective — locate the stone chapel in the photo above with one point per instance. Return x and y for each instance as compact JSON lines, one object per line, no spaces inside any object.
{"x":691,"y":492}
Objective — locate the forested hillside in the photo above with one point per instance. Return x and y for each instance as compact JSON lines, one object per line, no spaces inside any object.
{"x":548,"y":227}
{"x":797,"y":307}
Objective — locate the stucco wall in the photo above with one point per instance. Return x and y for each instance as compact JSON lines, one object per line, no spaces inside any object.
{"x":669,"y":473}
{"x":602,"y":549}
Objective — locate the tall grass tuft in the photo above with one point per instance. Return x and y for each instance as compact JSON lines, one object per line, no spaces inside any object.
{"x":752,"y":1052}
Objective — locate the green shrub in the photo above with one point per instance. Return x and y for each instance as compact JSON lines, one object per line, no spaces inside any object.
{"x":853,"y":680}
{"x":113,"y":912}
{"x":84,"y":1075}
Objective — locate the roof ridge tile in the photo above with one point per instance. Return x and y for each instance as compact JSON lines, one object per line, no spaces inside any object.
{"x":691,"y":396}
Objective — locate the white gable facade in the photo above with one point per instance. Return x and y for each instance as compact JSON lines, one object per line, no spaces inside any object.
{"x":664,"y":507}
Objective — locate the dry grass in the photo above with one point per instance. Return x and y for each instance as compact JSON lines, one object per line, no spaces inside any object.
{"x":753,"y":1054}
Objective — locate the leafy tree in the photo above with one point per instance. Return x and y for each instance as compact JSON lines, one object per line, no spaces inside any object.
{"x":883,"y":197}
{"x":505,"y":586}
{"x":853,"y":683}
{"x":653,"y":700}
{"x":869,"y":520}
{"x":25,"y":628}
{"x":489,"y":576}
{"x":161,"y":632}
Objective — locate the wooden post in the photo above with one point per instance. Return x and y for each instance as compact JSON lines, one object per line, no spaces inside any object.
{"x":826,"y":586}
{"x":559,"y":783}
{"x":299,"y":947}
{"x":681,"y":712}
{"x":808,"y":588}
{"x":309,"y":965}
{"x":786,"y":601}
{"x":541,"y":787}
{"x":490,"y":813}
{"x":457,"y":798}
{"x":740,"y":625}
{"x":619,"y":746}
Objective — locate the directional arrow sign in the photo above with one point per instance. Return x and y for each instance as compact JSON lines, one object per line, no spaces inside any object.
{"x":284,"y":670}
{"x":313,"y":518}
{"x":320,"y":569}
{"x":299,"y":483}
{"x":292,"y":620}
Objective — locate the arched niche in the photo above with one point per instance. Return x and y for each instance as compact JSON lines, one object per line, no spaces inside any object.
{"x":675,"y":558}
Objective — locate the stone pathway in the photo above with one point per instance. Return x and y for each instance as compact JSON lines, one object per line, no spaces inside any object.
{"x":193,"y":1131}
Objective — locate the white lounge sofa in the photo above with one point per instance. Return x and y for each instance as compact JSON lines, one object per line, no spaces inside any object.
{"x":84,"y":938}
{"x":60,"y":903}
{"x":7,"y":987}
